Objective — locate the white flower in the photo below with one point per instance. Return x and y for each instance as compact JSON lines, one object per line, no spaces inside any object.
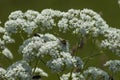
{"x":2,"y":30}
{"x":6,"y":52}
{"x":114,"y":65}
{"x":63,"y":24}
{"x":55,"y":64}
{"x":45,"y":21}
{"x":31,"y":15}
{"x":19,"y":70}
{"x":51,"y":12}
{"x":16,"y":14}
{"x":112,"y":40}
{"x":39,"y":71}
{"x":75,"y":76}
{"x":11,"y":26}
{"x":39,"y":46}
{"x":96,"y":73}
{"x":64,"y":59}
{"x":2,"y":72}
{"x":8,"y":39}
{"x":83,"y":22}
{"x":28,"y":27}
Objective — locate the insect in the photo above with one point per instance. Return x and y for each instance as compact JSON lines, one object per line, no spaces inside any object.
{"x":63,"y":41}
{"x":37,"y":34}
{"x":36,"y":77}
{"x":76,"y":69}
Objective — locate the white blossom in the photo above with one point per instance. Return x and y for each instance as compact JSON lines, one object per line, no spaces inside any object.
{"x":55,"y":64}
{"x":31,"y":15}
{"x":8,"y":39}
{"x":46,"y":22}
{"x":75,"y":76}
{"x":2,"y":30}
{"x":6,"y":52}
{"x":82,"y":22}
{"x":112,"y":40}
{"x":2,"y":72}
{"x":11,"y":26}
{"x":19,"y":70}
{"x":96,"y":73}
{"x":51,"y":12}
{"x":114,"y":65}
{"x":63,"y":24}
{"x":39,"y":71}
{"x":64,"y":60}
{"x":16,"y":14}
{"x":39,"y":46}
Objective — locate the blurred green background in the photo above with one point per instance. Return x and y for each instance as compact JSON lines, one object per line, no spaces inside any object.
{"x":109,"y":10}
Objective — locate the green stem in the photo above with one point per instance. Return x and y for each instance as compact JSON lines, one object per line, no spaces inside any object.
{"x":37,"y":61}
{"x":70,"y":78}
{"x":112,"y":76}
{"x":58,"y":76}
{"x":42,"y":61}
{"x":89,"y":57}
{"x":21,"y":36}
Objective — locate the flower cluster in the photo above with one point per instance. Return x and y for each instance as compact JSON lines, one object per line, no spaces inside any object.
{"x":80,"y":21}
{"x":39,"y":46}
{"x":19,"y":70}
{"x":112,"y":40}
{"x":75,"y":76}
{"x":114,"y":65}
{"x":5,"y":39}
{"x":94,"y":73}
{"x":47,"y":44}
{"x":65,"y":60}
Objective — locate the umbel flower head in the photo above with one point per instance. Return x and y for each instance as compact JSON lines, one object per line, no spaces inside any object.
{"x":96,"y":73}
{"x":5,"y":39}
{"x":82,"y":22}
{"x":112,"y":41}
{"x":65,"y":59}
{"x":39,"y":46}
{"x":47,"y":44}
{"x":113,"y":65}
{"x":19,"y":70}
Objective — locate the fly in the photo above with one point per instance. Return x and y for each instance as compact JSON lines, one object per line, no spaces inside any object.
{"x":37,"y":34}
{"x":63,"y":41}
